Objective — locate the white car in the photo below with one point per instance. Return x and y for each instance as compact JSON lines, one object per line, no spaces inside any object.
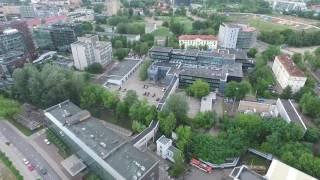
{"x":25,"y":161}
{"x":46,"y":141}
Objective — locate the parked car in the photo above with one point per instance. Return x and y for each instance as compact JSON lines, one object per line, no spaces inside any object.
{"x":30,"y":167}
{"x":43,"y":171}
{"x":47,"y":141}
{"x":25,"y":161}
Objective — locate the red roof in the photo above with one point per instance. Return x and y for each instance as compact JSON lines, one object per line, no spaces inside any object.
{"x":290,"y":66}
{"x":47,"y":21}
{"x":193,"y":37}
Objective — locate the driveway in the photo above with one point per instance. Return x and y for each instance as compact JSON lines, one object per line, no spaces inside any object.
{"x":28,"y":151}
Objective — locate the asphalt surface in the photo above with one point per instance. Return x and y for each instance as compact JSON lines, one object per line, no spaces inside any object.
{"x":28,"y":152}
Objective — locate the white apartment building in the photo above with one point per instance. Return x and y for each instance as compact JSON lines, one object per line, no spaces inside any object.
{"x":88,"y":49}
{"x":287,"y":73}
{"x":197,"y":41}
{"x":165,"y":149}
{"x":81,"y":15}
{"x":236,"y":36}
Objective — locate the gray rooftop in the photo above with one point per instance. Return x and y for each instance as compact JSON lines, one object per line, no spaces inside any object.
{"x":214,"y":71}
{"x":123,"y":67}
{"x":163,"y":140}
{"x":73,"y":165}
{"x":243,"y":173}
{"x":112,"y":147}
{"x":292,"y":113}
{"x":161,"y":49}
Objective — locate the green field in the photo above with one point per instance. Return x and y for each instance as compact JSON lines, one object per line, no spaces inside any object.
{"x":262,"y":25}
{"x":187,"y":23}
{"x":162,"y":31}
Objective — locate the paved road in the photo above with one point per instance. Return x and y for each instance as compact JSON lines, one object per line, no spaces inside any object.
{"x":28,"y":151}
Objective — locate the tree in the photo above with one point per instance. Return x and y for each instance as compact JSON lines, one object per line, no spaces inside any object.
{"x":310,"y":105}
{"x":137,"y":126}
{"x":237,"y":90}
{"x":143,"y":73}
{"x":167,"y":123}
{"x":118,"y":44}
{"x":184,"y":134}
{"x":176,"y":27}
{"x":177,"y":104}
{"x":199,"y":88}
{"x":286,"y":93}
{"x":121,"y":53}
{"x":142,"y":112}
{"x":204,"y":120}
{"x":8,"y":107}
{"x":99,"y":28}
{"x":270,"y":53}
{"x":312,"y":135}
{"x":178,"y":166}
{"x":95,"y":68}
{"x":252,"y":52}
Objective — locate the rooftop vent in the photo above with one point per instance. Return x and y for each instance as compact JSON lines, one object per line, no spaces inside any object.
{"x":66,"y":113}
{"x":91,"y":135}
{"x":103,"y":144}
{"x":83,"y":129}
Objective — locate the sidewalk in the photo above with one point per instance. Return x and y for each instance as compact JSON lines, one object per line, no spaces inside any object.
{"x":17,"y":159}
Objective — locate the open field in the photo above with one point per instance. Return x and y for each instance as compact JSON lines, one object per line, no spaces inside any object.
{"x":187,"y":23}
{"x":5,"y":173}
{"x":262,"y":25}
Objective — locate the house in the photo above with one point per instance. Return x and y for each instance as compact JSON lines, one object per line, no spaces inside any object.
{"x":287,"y":73}
{"x":165,"y":149}
{"x":198,"y":41}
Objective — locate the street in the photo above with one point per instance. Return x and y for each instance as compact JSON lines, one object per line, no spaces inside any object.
{"x":28,"y":151}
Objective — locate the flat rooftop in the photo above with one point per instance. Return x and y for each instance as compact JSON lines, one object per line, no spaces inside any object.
{"x":244,"y":173}
{"x":292,"y":113}
{"x":107,"y":147}
{"x":123,"y":67}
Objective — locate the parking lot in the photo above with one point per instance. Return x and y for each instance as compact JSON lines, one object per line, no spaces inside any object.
{"x":153,"y":91}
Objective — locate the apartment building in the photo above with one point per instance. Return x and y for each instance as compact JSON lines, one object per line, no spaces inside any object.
{"x":11,"y":39}
{"x":198,"y":41}
{"x":88,"y":50}
{"x":238,"y":36}
{"x":287,"y":73}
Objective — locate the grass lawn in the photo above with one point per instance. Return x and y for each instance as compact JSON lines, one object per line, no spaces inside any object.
{"x":187,"y":23}
{"x":262,"y":25}
{"x":162,"y":31}
{"x":21,"y":128}
{"x":5,"y":173}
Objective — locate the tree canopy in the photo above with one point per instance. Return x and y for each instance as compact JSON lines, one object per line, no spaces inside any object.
{"x":237,"y":90}
{"x":8,"y":107}
{"x":199,"y":88}
{"x":177,"y":104}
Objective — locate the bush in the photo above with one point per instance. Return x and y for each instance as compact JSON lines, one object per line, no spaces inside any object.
{"x":143,"y":73}
{"x":95,"y":68}
{"x":137,"y":126}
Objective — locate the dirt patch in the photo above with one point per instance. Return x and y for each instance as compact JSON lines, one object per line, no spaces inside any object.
{"x":5,"y":173}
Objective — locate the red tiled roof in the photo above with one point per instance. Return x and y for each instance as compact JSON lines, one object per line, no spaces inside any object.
{"x":47,"y":21}
{"x":193,"y":37}
{"x":290,"y":66}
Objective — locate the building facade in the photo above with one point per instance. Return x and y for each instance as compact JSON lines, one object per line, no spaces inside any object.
{"x":11,"y":39}
{"x":198,"y":41}
{"x":287,"y":73}
{"x":27,"y":11}
{"x":237,"y":36}
{"x":88,"y":50}
{"x":165,"y":149}
{"x":62,"y":35}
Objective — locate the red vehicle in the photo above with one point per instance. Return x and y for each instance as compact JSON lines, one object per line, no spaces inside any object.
{"x":30,"y":167}
{"x":200,"y":165}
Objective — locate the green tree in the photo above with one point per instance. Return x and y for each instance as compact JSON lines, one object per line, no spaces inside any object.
{"x":167,"y":123}
{"x":143,"y":73}
{"x":95,"y":68}
{"x":121,"y":53}
{"x":237,"y":90}
{"x":270,"y":53}
{"x":184,"y":134}
{"x":205,"y":120}
{"x":178,"y":166}
{"x":176,"y":27}
{"x":99,"y":28}
{"x":252,"y":52}
{"x":8,"y":107}
{"x":142,"y":112}
{"x":286,"y":93}
{"x":118,"y":44}
{"x":312,"y":135}
{"x":177,"y":104}
{"x":310,"y":105}
{"x":200,"y":88}
{"x":137,"y":126}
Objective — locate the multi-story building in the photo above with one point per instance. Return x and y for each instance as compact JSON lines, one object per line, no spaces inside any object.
{"x":107,"y":151}
{"x":165,"y":148}
{"x":111,"y":7}
{"x":287,"y":73}
{"x":284,"y":5}
{"x":63,"y":35}
{"x":22,"y":27}
{"x":238,"y":36}
{"x":198,"y":41}
{"x":11,"y":39}
{"x":27,"y":11}
{"x":80,"y":15}
{"x":88,"y":49}
{"x":217,"y":67}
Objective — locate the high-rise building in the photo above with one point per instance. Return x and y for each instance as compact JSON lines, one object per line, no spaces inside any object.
{"x":11,"y":39}
{"x":22,"y":27}
{"x":27,"y":11}
{"x":237,"y":36}
{"x":62,"y":35}
{"x":88,"y":49}
{"x":111,"y":7}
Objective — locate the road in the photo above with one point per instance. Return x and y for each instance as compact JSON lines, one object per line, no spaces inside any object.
{"x":27,"y":150}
